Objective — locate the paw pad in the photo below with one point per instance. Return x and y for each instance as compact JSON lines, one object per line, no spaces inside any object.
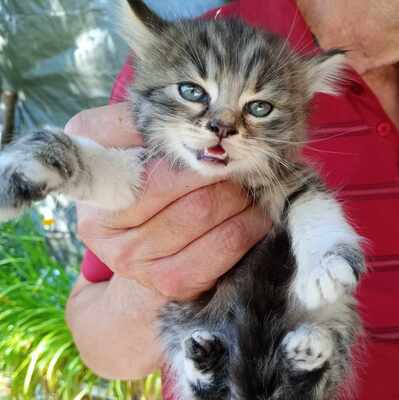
{"x":325,"y":282}
{"x":307,"y":348}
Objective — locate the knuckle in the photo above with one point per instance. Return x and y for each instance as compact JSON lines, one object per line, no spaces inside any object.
{"x":121,"y":262}
{"x":119,"y":258}
{"x":170,"y":283}
{"x":124,"y":258}
{"x":200,"y":203}
{"x":234,"y":236}
{"x":169,"y":286}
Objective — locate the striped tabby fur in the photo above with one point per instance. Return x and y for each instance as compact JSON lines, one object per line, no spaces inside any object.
{"x":281,"y":324}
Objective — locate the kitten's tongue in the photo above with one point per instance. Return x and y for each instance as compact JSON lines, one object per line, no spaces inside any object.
{"x":217,"y":150}
{"x":215,"y":153}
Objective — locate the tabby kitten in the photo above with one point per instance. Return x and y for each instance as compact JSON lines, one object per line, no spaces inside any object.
{"x":227,"y":99}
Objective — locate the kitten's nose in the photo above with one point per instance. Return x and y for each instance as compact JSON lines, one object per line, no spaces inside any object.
{"x":221,"y":129}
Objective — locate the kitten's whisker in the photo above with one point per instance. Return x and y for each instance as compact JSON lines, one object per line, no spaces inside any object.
{"x":284,"y":45}
{"x":270,"y":154}
{"x":299,"y":48}
{"x":306,"y":146}
{"x":156,"y":167}
{"x":267,"y":175}
{"x":269,"y":139}
{"x":274,"y":156}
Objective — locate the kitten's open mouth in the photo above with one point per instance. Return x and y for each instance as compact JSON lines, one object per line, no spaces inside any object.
{"x":216,"y":154}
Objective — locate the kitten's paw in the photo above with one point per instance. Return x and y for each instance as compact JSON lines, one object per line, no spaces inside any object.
{"x":307,"y":348}
{"x":79,"y":168}
{"x":325,"y":282}
{"x":31,"y":168}
{"x":203,"y":356}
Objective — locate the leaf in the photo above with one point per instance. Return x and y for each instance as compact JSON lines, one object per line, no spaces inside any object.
{"x":36,"y":347}
{"x":54,"y":359}
{"x":28,"y":377}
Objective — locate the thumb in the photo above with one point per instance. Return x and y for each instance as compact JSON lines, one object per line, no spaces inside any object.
{"x":111,"y":126}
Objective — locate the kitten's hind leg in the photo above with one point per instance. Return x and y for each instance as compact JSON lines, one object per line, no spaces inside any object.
{"x":319,"y":353}
{"x":205,"y":359}
{"x":308,"y":347}
{"x":45,"y":162}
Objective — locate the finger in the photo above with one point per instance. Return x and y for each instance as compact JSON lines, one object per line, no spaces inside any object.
{"x":164,"y":234}
{"x":163,"y":186}
{"x":186,"y":220}
{"x":197,"y":267}
{"x":111,"y":126}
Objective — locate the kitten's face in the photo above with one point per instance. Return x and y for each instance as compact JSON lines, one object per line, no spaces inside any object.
{"x":222,"y":97}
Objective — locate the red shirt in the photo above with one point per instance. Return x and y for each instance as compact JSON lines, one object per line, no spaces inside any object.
{"x":357,"y":148}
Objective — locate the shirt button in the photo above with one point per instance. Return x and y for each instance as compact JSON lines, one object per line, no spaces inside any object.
{"x":384,"y":128}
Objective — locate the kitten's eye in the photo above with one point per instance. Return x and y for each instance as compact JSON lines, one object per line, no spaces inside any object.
{"x":193,"y":92}
{"x":259,"y":109}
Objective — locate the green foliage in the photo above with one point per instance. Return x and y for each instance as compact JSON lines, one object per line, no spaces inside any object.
{"x":37,"y":352}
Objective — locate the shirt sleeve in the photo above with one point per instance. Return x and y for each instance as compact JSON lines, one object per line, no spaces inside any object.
{"x":123,"y":80}
{"x":92,"y":268}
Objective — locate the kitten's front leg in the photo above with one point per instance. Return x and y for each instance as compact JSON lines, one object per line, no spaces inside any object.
{"x":327,"y":249}
{"x":45,"y":162}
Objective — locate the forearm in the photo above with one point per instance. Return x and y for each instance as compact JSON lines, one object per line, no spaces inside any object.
{"x":113,"y":327}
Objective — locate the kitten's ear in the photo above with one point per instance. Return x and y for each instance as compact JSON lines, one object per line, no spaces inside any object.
{"x":139,"y":25}
{"x":326,"y":72}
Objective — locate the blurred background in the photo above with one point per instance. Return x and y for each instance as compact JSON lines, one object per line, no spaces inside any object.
{"x":57,"y":57}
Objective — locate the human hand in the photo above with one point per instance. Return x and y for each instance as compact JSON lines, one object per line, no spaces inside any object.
{"x":185,"y":231}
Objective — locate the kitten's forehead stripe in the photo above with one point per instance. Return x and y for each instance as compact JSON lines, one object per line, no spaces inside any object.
{"x":210,"y":48}
{"x":258,"y":55}
{"x":197,"y":59}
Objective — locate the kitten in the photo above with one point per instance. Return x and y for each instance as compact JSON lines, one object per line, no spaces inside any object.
{"x":223,"y":98}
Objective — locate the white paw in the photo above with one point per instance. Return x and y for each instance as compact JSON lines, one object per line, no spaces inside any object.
{"x":37,"y":173}
{"x":30,"y":169}
{"x":308,"y":347}
{"x":23,"y":180}
{"x":324,"y":282}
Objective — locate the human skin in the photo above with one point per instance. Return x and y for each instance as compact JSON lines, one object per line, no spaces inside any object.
{"x":369,"y":30}
{"x":159,"y":249}
{"x":115,"y":310}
